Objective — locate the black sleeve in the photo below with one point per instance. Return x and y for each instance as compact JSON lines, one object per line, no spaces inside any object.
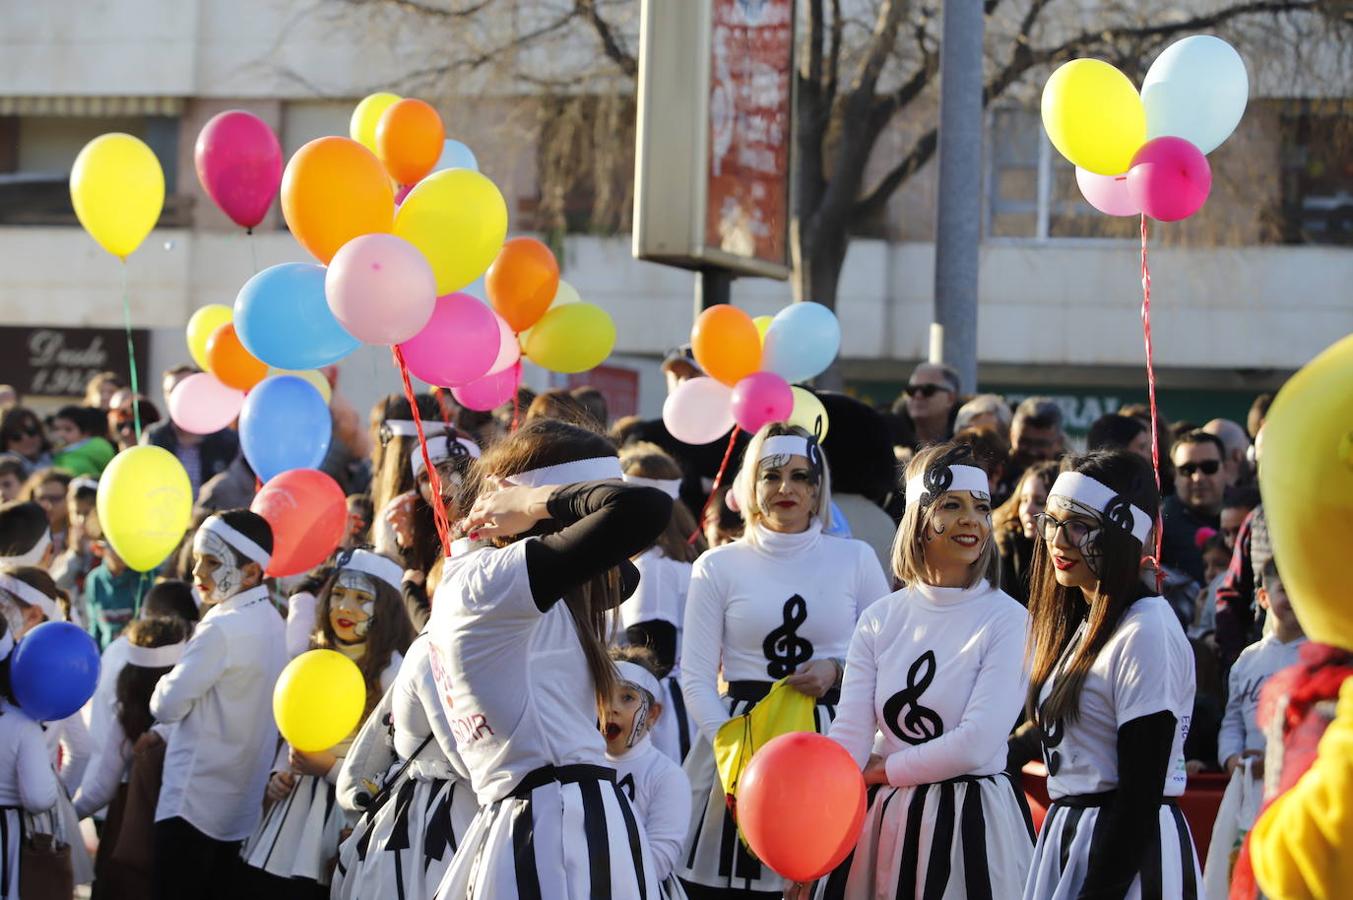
{"x":417,"y":604}
{"x":659,"y":636}
{"x":1130,"y":819}
{"x":604,"y":523}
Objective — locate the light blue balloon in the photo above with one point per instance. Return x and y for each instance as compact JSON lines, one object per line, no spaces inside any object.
{"x":801,"y":342}
{"x":284,"y":425}
{"x":281,"y":317}
{"x":456,"y":155}
{"x":476,"y":289}
{"x":1196,"y":90}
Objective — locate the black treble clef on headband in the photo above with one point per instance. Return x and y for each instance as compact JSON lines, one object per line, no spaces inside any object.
{"x":916,"y":724}
{"x":784,"y":649}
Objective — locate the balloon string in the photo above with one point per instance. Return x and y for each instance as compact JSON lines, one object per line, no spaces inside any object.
{"x":444,"y":401}
{"x":1151,"y":398}
{"x":253,"y":248}
{"x":131,"y":355}
{"x":434,"y":478}
{"x":718,"y":480}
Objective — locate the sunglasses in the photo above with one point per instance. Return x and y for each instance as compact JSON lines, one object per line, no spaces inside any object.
{"x":925,"y":390}
{"x":24,"y":431}
{"x":1207,"y":467}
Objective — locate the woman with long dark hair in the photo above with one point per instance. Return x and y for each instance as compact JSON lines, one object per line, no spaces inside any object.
{"x":1014,"y":525}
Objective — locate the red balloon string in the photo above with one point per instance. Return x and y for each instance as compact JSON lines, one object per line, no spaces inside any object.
{"x":1151,"y":399}
{"x":718,"y":480}
{"x":434,"y":480}
{"x":516,"y":401}
{"x":444,"y":401}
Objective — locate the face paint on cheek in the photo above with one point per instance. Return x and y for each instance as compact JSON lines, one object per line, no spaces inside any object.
{"x":227,"y":578}
{"x":640,"y":718}
{"x":357,"y":583}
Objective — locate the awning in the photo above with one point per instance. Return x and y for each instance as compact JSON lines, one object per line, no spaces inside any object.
{"x":92,"y":106}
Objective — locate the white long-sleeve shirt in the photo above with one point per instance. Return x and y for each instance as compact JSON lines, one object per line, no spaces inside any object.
{"x":302,"y":613}
{"x":661,"y":594}
{"x":939,"y":674}
{"x":71,"y":749}
{"x":417,"y":711}
{"x":761,"y":612}
{"x":26,"y":775}
{"x":220,"y":694}
{"x":103,"y":705}
{"x":661,"y":795}
{"x":1240,"y":729}
{"x":109,"y":769}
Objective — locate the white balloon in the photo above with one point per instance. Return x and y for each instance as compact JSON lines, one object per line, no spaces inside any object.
{"x":1197,"y":90}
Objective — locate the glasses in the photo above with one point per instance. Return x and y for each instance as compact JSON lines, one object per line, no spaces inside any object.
{"x":925,"y":390}
{"x":53,"y":499}
{"x":1207,"y":467}
{"x":1078,"y":531}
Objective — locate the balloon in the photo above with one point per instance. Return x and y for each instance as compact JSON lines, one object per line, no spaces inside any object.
{"x":699,"y":411}
{"x":409,"y":140}
{"x":1106,"y":193}
{"x":1093,"y":116}
{"x":367,"y":115}
{"x":200,"y":404}
{"x":456,"y":155}
{"x":1169,"y":179}
{"x":308,"y":515}
{"x":381,"y":289}
{"x":202,"y":326}
{"x":284,"y":425}
{"x":314,"y":377}
{"x":1307,"y":480}
{"x":564,"y":295}
{"x":509,"y":348}
{"x":334,"y":190}
{"x":760,"y":398}
{"x":726,"y":343}
{"x":1196,"y":90}
{"x":489,"y":392}
{"x":809,"y":413}
{"x":318,"y":700}
{"x":802,"y":341}
{"x":239,"y":162}
{"x":54,"y":671}
{"x":458,"y":219}
{"x":522,"y":281}
{"x":458,"y":345}
{"x":145,"y":504}
{"x":233,"y":365}
{"x":762,"y":324}
{"x":801,"y":802}
{"x":283,"y":318}
{"x":575,"y":337}
{"x":117,"y":188}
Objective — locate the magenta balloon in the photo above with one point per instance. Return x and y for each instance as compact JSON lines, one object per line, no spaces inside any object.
{"x":1169,"y":179}
{"x":509,"y":347}
{"x":1106,"y":193}
{"x":239,"y":162}
{"x":201,"y":404}
{"x":403,"y":192}
{"x":698,"y":411}
{"x":760,"y":398}
{"x":489,"y":392}
{"x":457,"y":345}
{"x":381,"y":289}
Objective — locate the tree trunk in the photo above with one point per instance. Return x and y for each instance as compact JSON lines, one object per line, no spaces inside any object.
{"x":818,"y":258}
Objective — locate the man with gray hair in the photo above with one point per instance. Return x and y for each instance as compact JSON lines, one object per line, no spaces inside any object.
{"x":984,"y":411}
{"x":1236,"y":440}
{"x":929,"y":401}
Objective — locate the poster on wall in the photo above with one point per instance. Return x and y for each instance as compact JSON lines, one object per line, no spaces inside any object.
{"x":57,"y":362}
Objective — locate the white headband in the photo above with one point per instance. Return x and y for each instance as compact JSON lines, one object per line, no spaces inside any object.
{"x":637,"y":675}
{"x":1098,"y":496}
{"x":33,"y":556}
{"x":155,"y":657}
{"x":785,"y":445}
{"x":439,"y":448}
{"x":409,"y":428}
{"x":375,"y":565}
{"x":598,"y":468}
{"x":965,"y":478}
{"x":217,"y":526}
{"x":84,"y":483}
{"x":6,"y":645}
{"x":669,"y":486}
{"x":31,"y":596}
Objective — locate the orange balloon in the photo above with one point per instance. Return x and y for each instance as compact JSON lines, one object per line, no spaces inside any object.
{"x":409,"y":139}
{"x":228,"y":360}
{"x":727,"y":343}
{"x":334,"y":190}
{"x":522,"y":282}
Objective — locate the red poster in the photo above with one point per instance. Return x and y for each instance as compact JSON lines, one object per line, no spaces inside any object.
{"x":750,"y":92}
{"x":619,"y":386}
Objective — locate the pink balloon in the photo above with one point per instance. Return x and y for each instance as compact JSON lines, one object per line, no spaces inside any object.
{"x":509,"y":348}
{"x":489,"y":392}
{"x":403,"y":192}
{"x":457,"y":345}
{"x":381,"y":289}
{"x":699,"y":410}
{"x":201,"y":404}
{"x":1106,"y":193}
{"x":760,"y":398}
{"x":1169,"y":179}
{"x":239,"y":162}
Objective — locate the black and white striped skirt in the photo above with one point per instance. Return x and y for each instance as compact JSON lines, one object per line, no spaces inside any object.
{"x":565,"y":833}
{"x":966,"y":837}
{"x":1169,"y":870}
{"x":299,"y":835}
{"x":11,"y":839}
{"x":717,"y":857}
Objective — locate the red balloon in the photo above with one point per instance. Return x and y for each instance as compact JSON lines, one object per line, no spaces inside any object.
{"x":239,"y":162}
{"x":308,"y":515}
{"x":800,"y":804}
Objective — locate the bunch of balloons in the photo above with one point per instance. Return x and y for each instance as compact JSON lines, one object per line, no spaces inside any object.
{"x":749,"y":366}
{"x":1146,"y":153}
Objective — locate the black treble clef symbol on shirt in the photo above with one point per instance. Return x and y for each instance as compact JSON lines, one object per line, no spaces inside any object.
{"x":918,"y":723}
{"x":1053,"y":732}
{"x":785,"y":650}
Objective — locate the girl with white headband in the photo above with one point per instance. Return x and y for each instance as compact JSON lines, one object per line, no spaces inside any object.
{"x":362,"y":617}
{"x":778,"y":603}
{"x":519,"y":627}
{"x":394,"y":437}
{"x":1112,"y":690}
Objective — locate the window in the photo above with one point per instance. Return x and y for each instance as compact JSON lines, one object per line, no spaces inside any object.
{"x":1317,"y":177}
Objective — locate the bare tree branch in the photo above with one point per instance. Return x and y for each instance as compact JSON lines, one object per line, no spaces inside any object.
{"x":834,"y":54}
{"x":610,"y":44}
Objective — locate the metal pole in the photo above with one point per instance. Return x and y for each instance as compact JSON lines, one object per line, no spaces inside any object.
{"x":712,"y":287}
{"x":958,"y":227}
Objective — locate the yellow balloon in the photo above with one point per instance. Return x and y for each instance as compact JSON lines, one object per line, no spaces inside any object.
{"x":318,"y":700}
{"x":1094,"y":116}
{"x":117,"y":187}
{"x":367,"y":115}
{"x":808,"y":411}
{"x":1306,"y":477}
{"x":458,"y":219}
{"x":314,"y":376}
{"x":762,"y":324}
{"x":572,"y":338}
{"x":145,"y":505}
{"x":202,"y":326}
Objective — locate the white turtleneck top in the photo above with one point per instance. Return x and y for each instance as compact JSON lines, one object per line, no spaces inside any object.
{"x":661,"y":796}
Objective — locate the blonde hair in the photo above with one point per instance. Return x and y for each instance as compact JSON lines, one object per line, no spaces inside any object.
{"x":744,"y":486}
{"x":908,"y":555}
{"x":646,"y":460}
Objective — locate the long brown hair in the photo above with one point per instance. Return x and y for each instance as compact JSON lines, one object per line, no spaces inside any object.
{"x":1005,"y":520}
{"x":390,"y":472}
{"x":1056,"y":612}
{"x":390,"y":632}
{"x":135,"y":684}
{"x":646,"y":460}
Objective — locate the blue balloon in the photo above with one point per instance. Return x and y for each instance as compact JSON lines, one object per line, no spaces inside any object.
{"x":1197,"y":90}
{"x":54,"y":670}
{"x":456,"y":155}
{"x":281,"y":317}
{"x":801,"y":342}
{"x":284,"y":425}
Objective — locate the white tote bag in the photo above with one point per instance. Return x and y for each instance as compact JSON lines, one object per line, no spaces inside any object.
{"x":1235,"y":817}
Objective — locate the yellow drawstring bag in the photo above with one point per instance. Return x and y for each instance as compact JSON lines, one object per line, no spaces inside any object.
{"x":781,"y":711}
